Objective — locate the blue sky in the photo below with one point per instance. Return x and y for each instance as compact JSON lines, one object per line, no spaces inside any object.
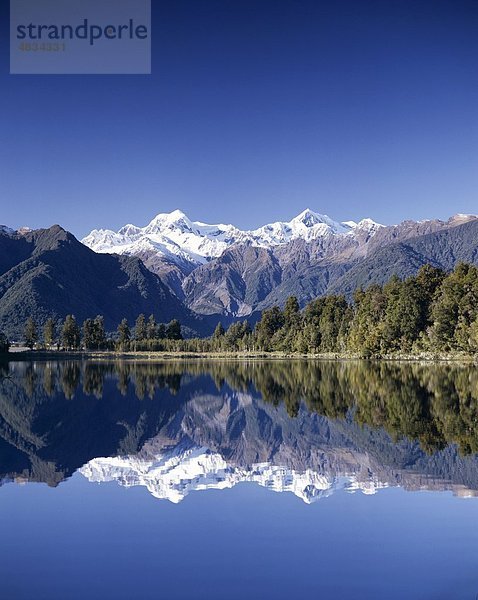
{"x":256,"y":109}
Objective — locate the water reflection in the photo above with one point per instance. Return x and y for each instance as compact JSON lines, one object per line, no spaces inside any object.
{"x":305,"y":427}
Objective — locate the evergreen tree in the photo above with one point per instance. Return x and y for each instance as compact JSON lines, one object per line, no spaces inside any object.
{"x":366,"y":327}
{"x":313,"y":311}
{"x":140,"y":329}
{"x":99,"y":333}
{"x":291,"y":312}
{"x":271,"y":322}
{"x":430,"y":311}
{"x":124,"y":334}
{"x":49,"y":333}
{"x":429,"y":279}
{"x":89,"y":334}
{"x":405,"y":316}
{"x":234,"y":335}
{"x":219,"y":331}
{"x":94,"y":335}
{"x":31,"y":333}
{"x":454,"y":309}
{"x":70,"y":333}
{"x":310,"y":338}
{"x":173,"y":330}
{"x":152,"y":328}
{"x":331,"y":323}
{"x":246,"y":328}
{"x":4,"y":343}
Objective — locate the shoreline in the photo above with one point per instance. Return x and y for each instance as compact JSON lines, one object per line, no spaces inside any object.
{"x":41,"y":355}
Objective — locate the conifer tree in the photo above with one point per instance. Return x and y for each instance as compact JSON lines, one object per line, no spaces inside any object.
{"x":234,"y":335}
{"x":31,"y":333}
{"x":140,"y":328}
{"x":219,"y":331}
{"x":151,"y":328}
{"x":89,"y":334}
{"x":4,"y":343}
{"x":49,"y":333}
{"x":70,"y":333}
{"x":124,"y":334}
{"x":100,"y":333}
{"x":291,"y":312}
{"x":271,"y":322}
{"x":173,"y":330}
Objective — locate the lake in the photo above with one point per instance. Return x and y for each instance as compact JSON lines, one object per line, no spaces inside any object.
{"x":261,"y":479}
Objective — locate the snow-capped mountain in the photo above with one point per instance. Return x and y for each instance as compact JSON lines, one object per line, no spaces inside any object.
{"x":175,"y":236}
{"x":222,"y":270}
{"x":173,"y":474}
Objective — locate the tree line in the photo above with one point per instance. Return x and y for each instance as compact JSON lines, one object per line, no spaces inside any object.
{"x":92,"y":335}
{"x":432,"y":311}
{"x":4,"y":343}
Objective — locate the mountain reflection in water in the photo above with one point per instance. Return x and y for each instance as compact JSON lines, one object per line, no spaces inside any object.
{"x":307,"y":427}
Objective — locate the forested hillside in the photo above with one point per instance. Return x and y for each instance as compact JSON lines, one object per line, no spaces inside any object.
{"x":431,"y":312}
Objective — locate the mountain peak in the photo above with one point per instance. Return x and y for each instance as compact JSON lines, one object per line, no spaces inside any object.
{"x":461,"y":218}
{"x":174,"y":236}
{"x":364,"y":225}
{"x":310,"y":219}
{"x":369,"y":224}
{"x":177,"y":214}
{"x":307,"y":215}
{"x":176,"y":219}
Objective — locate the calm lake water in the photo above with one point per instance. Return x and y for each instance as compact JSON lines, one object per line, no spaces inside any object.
{"x":238,"y":480}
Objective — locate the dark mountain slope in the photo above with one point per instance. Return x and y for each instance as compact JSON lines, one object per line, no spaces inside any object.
{"x":246,"y":279}
{"x":442,"y":249}
{"x":241,"y":278}
{"x":50,"y":273}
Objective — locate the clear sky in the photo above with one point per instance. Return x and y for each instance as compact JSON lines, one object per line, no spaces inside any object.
{"x":256,"y":109}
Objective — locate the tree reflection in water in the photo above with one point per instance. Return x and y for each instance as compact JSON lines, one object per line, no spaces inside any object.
{"x":55,"y":416}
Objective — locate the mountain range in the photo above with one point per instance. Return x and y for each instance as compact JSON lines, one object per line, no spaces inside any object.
{"x":173,"y":246}
{"x":219,"y":269}
{"x":199,"y":273}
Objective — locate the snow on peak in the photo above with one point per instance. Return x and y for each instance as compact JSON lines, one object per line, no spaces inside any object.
{"x":129,"y":230}
{"x":367,"y":225}
{"x":176,"y":219}
{"x":309,"y":219}
{"x":460,"y":218}
{"x":175,"y":236}
{"x":24,"y":230}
